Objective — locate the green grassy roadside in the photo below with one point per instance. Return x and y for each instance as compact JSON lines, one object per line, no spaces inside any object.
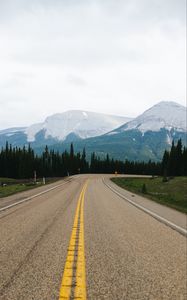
{"x":11,"y":186}
{"x":172,"y":193}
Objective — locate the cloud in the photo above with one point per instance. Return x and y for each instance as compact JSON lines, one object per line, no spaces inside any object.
{"x":76,"y":80}
{"x":111,"y":56}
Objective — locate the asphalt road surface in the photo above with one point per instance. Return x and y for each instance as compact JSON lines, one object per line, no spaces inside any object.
{"x":81,"y":240}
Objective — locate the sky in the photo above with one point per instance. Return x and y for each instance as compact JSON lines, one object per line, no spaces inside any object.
{"x":110,"y":56}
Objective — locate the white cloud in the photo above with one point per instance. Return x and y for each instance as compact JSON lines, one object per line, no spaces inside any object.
{"x":108,"y":56}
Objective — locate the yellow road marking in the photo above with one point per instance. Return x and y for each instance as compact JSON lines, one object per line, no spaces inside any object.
{"x":80,"y":289}
{"x":80,"y":279}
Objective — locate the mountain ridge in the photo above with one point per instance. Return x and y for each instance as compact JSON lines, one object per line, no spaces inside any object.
{"x":143,"y":138}
{"x":165,"y":114}
{"x":83,"y":124}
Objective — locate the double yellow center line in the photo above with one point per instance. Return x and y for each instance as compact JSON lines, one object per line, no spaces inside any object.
{"x":73,"y":284}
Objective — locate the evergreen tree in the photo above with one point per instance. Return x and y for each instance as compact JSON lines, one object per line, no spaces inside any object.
{"x":165,"y":163}
{"x":179,"y":167}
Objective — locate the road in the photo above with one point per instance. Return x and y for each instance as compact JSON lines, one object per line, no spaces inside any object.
{"x":83,"y":241}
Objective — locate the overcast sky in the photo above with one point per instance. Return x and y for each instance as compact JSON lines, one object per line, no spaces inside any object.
{"x":111,"y":56}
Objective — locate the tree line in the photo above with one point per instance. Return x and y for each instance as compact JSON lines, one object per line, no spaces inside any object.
{"x":20,"y":163}
{"x":174,"y":162}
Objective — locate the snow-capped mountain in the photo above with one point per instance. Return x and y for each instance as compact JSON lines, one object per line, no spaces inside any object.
{"x":83,"y":124}
{"x":12,"y":131}
{"x":70,"y":125}
{"x":167,"y":115}
{"x":146,"y":137}
{"x":143,"y":138}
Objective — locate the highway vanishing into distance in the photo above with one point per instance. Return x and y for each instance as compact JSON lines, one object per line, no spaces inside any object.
{"x":83,"y":238}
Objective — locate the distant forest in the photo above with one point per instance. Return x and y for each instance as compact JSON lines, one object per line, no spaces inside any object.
{"x":20,"y":163}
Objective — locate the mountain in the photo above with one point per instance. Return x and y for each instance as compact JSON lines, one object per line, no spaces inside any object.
{"x":143,"y":138}
{"x":167,"y":115}
{"x":82,"y":124}
{"x":14,"y":136}
{"x":146,"y":137}
{"x":68,"y":126}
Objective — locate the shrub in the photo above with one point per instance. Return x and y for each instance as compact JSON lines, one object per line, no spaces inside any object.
{"x":144,"y":189}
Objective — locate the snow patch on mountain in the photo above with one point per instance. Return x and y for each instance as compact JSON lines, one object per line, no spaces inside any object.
{"x":85,"y":114}
{"x":33,"y":130}
{"x":82,"y":123}
{"x":168,"y":140}
{"x":12,"y":131}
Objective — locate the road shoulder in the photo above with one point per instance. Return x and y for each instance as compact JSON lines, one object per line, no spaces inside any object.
{"x":172,"y":215}
{"x":6,"y":201}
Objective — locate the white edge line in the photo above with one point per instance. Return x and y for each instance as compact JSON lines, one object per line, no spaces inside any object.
{"x":31,"y":197}
{"x":154,"y":215}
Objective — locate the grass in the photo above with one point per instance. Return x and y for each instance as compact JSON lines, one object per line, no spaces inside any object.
{"x":8,"y":180}
{"x":13,"y":186}
{"x":172,"y":193}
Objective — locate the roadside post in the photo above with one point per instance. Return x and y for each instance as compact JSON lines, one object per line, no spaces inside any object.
{"x":35,"y":177}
